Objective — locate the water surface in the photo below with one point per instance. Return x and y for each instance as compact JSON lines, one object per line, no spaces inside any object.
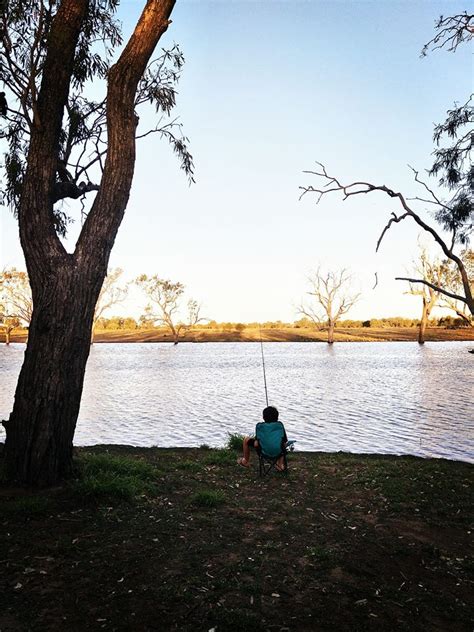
{"x":398,"y":398}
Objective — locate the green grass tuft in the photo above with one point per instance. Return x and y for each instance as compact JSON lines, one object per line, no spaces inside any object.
{"x":208,"y":499}
{"x":113,"y":478}
{"x":234,"y":442}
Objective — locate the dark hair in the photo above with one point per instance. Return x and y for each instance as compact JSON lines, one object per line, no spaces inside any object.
{"x":270,"y":413}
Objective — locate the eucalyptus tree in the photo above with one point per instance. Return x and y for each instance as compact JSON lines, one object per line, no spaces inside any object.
{"x":62,"y":143}
{"x":166,"y":296}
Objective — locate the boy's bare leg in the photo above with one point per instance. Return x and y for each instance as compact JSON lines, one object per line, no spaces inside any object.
{"x":245,"y":459}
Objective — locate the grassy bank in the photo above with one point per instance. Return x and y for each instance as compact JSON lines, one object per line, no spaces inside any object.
{"x":184,"y":539}
{"x":290,"y":334}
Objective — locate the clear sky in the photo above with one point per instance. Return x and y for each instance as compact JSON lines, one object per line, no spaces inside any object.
{"x":268,"y":88}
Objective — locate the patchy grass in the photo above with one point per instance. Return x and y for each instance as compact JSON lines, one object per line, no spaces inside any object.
{"x":112,"y":478}
{"x":344,"y":542}
{"x":219,"y":457}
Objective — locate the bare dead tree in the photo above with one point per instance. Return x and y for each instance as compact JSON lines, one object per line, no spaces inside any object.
{"x":331,"y":184}
{"x":331,"y":299}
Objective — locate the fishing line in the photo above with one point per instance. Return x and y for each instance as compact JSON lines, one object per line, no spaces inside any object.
{"x":263,"y":365}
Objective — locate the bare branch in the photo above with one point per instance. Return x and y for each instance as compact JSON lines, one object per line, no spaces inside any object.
{"x":456,"y":297}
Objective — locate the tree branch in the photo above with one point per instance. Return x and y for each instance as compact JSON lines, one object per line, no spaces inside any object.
{"x":436,"y":288}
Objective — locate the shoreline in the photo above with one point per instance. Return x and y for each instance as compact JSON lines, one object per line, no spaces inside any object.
{"x":355,"y":334}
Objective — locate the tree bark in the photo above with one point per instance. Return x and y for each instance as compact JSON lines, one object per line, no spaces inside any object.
{"x":424,"y":319}
{"x":331,"y":325}
{"x":41,"y":427}
{"x":65,"y":287}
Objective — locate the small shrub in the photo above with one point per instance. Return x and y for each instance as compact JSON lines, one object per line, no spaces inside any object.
{"x":234,"y":442}
{"x":204,"y":446}
{"x":208,"y":499}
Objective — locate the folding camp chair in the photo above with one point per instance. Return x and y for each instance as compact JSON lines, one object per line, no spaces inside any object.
{"x":271,"y":447}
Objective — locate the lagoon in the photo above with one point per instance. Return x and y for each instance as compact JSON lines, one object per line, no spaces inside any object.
{"x":397,"y":398}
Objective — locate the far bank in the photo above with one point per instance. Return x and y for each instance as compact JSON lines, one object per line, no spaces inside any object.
{"x":284,"y":334}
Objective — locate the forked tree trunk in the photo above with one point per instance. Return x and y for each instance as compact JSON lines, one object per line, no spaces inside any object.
{"x":65,"y":287}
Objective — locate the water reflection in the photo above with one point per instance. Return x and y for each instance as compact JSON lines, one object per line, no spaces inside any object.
{"x":359,"y":397}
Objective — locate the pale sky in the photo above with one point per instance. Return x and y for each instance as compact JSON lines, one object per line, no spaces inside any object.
{"x":268,"y":88}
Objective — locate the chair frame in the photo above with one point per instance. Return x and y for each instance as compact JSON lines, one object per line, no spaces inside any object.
{"x":268,"y":463}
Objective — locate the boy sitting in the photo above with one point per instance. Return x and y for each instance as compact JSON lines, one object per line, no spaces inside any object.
{"x":270,"y":415}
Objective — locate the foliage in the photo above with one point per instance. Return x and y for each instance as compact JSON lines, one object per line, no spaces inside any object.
{"x":25,"y":29}
{"x":166,"y":295}
{"x":453,"y":162}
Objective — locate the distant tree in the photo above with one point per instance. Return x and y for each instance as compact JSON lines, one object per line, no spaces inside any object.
{"x":432,"y":271}
{"x":64,"y":141}
{"x":110,"y":294}
{"x":166,"y":296}
{"x":331,"y":299}
{"x":16,"y":304}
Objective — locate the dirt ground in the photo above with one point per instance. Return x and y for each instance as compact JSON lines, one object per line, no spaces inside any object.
{"x":340,"y":543}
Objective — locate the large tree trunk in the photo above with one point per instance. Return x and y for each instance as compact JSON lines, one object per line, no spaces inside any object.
{"x":41,"y":427}
{"x":65,"y":287}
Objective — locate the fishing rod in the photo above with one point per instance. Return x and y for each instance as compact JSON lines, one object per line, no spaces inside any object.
{"x":263,"y":365}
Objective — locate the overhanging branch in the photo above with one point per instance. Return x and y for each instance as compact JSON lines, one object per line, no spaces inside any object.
{"x":436,"y":288}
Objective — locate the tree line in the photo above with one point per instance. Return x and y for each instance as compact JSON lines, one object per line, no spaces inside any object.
{"x":330,"y":298}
